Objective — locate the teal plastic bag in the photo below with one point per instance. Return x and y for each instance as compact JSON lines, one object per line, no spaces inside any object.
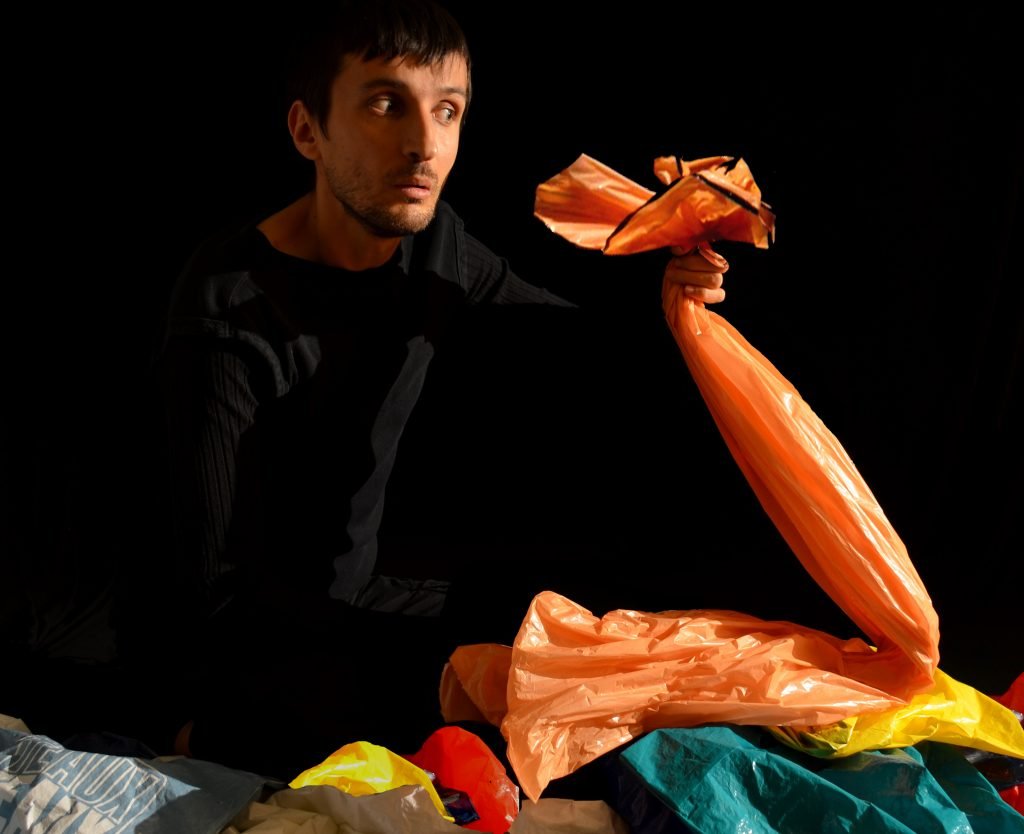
{"x":969,"y":788}
{"x":727,"y":780}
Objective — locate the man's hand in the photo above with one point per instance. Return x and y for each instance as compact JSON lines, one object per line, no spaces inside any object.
{"x":700,"y":271}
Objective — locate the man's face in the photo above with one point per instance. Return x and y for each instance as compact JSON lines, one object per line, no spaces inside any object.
{"x":393,"y":134}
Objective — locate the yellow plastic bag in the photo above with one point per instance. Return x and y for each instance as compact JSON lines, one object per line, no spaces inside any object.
{"x":950,"y":711}
{"x":361,"y":769}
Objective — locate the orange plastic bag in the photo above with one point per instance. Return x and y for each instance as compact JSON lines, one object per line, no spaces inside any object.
{"x":805,"y":482}
{"x":473,"y":683}
{"x":646,"y":671}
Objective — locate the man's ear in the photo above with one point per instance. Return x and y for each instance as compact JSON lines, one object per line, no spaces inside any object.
{"x":305,"y":132}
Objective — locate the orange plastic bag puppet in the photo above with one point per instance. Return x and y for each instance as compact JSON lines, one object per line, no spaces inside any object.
{"x":799,"y":471}
{"x":580,"y":686}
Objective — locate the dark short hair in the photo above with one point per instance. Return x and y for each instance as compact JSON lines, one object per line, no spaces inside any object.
{"x":368,"y":29}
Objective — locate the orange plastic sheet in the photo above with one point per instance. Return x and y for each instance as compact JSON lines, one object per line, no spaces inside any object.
{"x":473,"y":683}
{"x":659,"y":670}
{"x":580,"y":686}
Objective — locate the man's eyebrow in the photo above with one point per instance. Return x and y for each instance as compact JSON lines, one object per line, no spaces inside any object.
{"x":395,"y":84}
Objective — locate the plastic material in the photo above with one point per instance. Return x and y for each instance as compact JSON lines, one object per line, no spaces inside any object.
{"x":362,"y":769}
{"x":461,"y":760}
{"x":1013,"y":699}
{"x":581,"y":685}
{"x":568,"y":816}
{"x":708,"y":199}
{"x":481,"y":670}
{"x":720,"y":780}
{"x":694,"y":667}
{"x":323,"y":809}
{"x":801,"y":474}
{"x":635,"y":671}
{"x":949,"y":711}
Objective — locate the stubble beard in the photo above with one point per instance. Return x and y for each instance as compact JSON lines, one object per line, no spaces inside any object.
{"x":380,"y":221}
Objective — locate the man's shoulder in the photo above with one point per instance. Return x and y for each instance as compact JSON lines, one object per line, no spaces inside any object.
{"x":218,"y":273}
{"x":218,"y":299}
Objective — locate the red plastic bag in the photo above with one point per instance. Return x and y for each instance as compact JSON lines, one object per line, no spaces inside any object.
{"x":460,"y":760}
{"x":1013,"y":699}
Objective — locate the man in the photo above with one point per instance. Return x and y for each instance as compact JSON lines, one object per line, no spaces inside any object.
{"x":298,"y":347}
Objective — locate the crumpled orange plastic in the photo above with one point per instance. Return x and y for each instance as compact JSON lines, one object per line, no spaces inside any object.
{"x":688,"y":650}
{"x":708,"y":199}
{"x":478,"y":674}
{"x":580,"y":686}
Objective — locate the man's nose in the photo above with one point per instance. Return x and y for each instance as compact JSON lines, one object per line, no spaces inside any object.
{"x":420,"y":137}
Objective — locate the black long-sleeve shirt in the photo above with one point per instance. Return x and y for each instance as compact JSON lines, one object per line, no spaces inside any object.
{"x":288,"y":384}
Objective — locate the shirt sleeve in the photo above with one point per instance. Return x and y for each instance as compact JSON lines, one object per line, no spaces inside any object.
{"x":491,"y":281}
{"x":209,"y":405}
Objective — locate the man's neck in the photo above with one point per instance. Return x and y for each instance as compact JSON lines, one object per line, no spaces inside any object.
{"x":316,"y":228}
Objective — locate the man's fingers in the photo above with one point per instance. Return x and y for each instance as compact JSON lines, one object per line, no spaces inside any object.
{"x":696,"y":263}
{"x":703,"y":259}
{"x":699,"y":271}
{"x":683,"y":274}
{"x":703,"y":294}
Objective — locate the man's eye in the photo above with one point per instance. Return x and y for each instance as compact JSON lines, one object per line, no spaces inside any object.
{"x":383,"y":105}
{"x":446,"y":115}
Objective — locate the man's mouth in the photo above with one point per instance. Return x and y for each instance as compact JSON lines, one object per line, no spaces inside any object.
{"x":415,"y":187}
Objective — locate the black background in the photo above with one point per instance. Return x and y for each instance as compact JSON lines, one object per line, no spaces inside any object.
{"x":552,"y":449}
